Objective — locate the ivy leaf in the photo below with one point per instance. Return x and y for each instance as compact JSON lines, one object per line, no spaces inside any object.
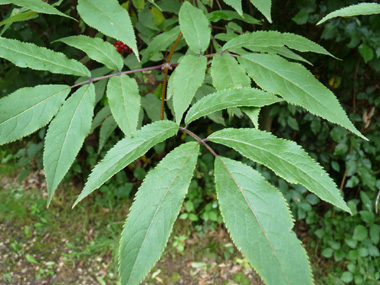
{"x":29,"y":55}
{"x":251,"y":97}
{"x":236,"y":4}
{"x":287,"y":159}
{"x":264,"y":6}
{"x":159,"y":43}
{"x":154,"y":211}
{"x":109,"y":18}
{"x":29,"y":109}
{"x":96,"y":49}
{"x":251,"y":208}
{"x":38,"y":6}
{"x":296,"y":85}
{"x":227,"y":73}
{"x":124,"y":99}
{"x":106,"y":129}
{"x":188,"y":77}
{"x":274,"y":39}
{"x":353,"y":10}
{"x":125,"y":152}
{"x":195,"y":28}
{"x":66,"y":135}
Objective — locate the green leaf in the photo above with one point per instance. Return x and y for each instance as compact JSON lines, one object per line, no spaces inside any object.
{"x":251,"y":209}
{"x":296,"y":85}
{"x":66,"y":135}
{"x":374,"y":233}
{"x":227,"y":73}
{"x":154,"y":211}
{"x":253,"y":115}
{"x":366,"y":52}
{"x":100,"y":117}
{"x":29,"y":55}
{"x":353,"y":10}
{"x":188,"y":77}
{"x":29,"y":109}
{"x":195,"y":28}
{"x":229,"y":98}
{"x":274,"y":39}
{"x":360,"y":233}
{"x":124,"y":99}
{"x":96,"y":49}
{"x":236,"y":4}
{"x":287,"y":159}
{"x":152,"y":106}
{"x":227,"y":15}
{"x":264,"y":6}
{"x":160,"y":43}
{"x":106,"y":129}
{"x":19,"y":17}
{"x":125,"y":152}
{"x":109,"y":18}
{"x":38,"y":6}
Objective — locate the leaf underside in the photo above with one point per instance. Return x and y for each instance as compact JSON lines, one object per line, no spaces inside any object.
{"x":125,"y":152}
{"x":39,"y":58}
{"x":287,"y":159}
{"x":154,"y":211}
{"x":109,"y":18}
{"x":297,"y":86}
{"x":124,"y":99}
{"x":353,"y":10}
{"x":188,"y":77}
{"x":258,"y":220}
{"x":66,"y":135}
{"x":228,"y":98}
{"x":29,"y":109}
{"x":96,"y":49}
{"x":194,"y":27}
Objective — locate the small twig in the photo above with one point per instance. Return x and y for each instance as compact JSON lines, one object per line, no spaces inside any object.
{"x":201,"y":141}
{"x":115,"y":74}
{"x":167,"y":67}
{"x":377,"y":203}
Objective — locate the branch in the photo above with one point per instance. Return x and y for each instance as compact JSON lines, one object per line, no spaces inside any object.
{"x":201,"y":141}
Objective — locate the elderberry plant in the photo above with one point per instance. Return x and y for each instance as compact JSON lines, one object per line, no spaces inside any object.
{"x":254,"y":212}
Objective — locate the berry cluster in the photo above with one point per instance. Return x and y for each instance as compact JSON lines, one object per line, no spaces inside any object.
{"x":121,"y":47}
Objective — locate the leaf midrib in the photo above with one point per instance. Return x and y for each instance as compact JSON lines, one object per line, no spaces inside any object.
{"x":253,"y":212}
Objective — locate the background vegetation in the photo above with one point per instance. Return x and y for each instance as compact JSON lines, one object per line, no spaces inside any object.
{"x":349,"y":244}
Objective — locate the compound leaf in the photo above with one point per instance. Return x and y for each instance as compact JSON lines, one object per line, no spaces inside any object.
{"x":154,"y":211}
{"x":188,"y":77}
{"x":227,"y":73}
{"x":195,"y":27}
{"x":29,"y":109}
{"x":40,"y":58}
{"x":66,"y":135}
{"x":109,"y":18}
{"x":96,"y":49}
{"x":251,"y":97}
{"x":274,"y":39}
{"x":353,"y":10}
{"x":285,"y":158}
{"x":258,"y":220}
{"x":124,"y":99}
{"x":125,"y":152}
{"x":296,"y":85}
{"x":264,"y":6}
{"x":37,"y":6}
